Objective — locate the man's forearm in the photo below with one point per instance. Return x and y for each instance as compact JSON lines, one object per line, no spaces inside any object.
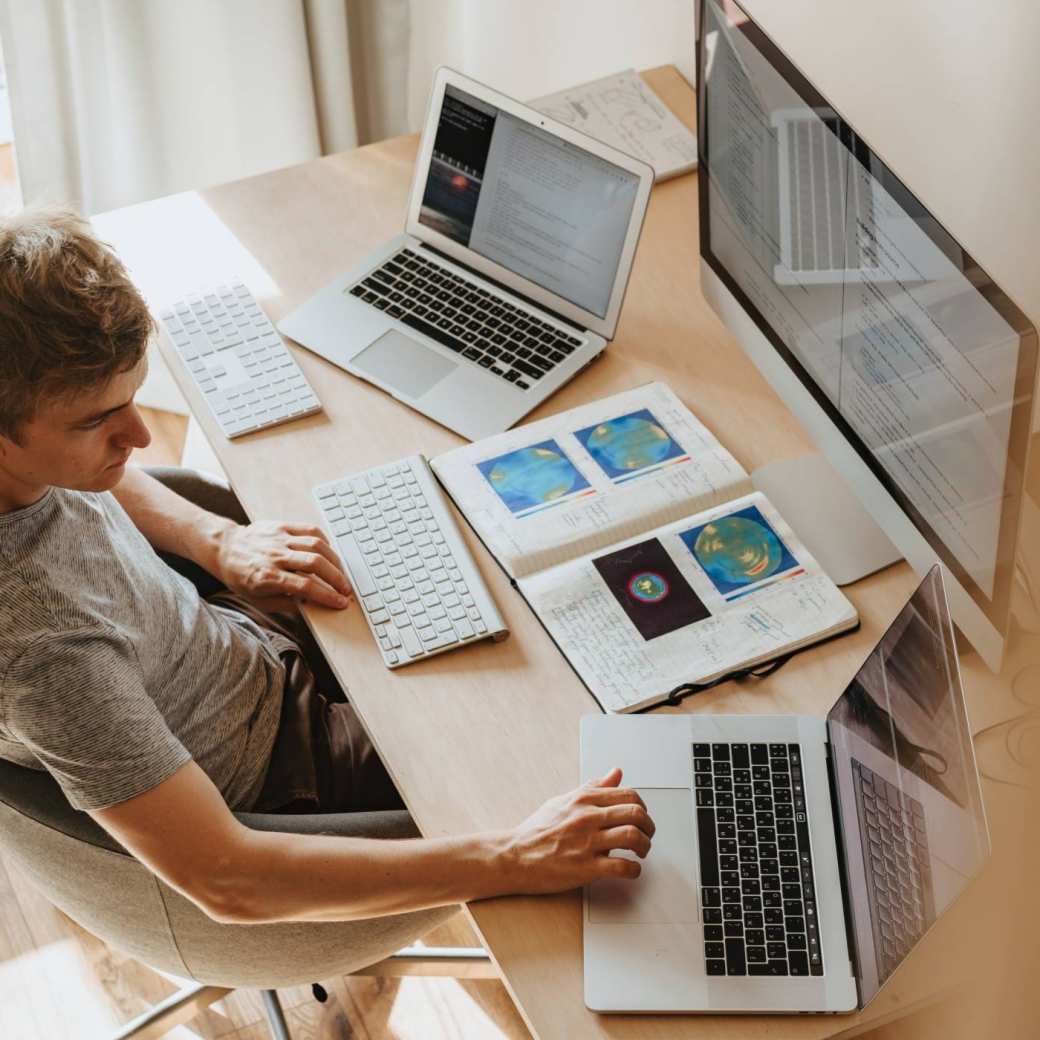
{"x":271,"y":877}
{"x":170,"y":523}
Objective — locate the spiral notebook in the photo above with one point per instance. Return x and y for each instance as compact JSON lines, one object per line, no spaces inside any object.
{"x":639,"y":542}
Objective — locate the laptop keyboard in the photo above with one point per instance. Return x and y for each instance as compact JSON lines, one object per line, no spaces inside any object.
{"x":898,"y":868}
{"x":758,"y":896}
{"x":488,"y":330}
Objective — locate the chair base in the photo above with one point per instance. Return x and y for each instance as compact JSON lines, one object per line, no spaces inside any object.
{"x":175,"y":1010}
{"x":454,"y":962}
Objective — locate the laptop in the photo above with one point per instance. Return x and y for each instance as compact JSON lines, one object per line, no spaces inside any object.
{"x":510,"y":274}
{"x":797,"y":860}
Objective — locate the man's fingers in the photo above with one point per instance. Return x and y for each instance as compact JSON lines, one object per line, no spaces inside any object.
{"x":318,"y":565}
{"x":632,"y":815}
{"x":612,"y":779}
{"x":612,"y":796}
{"x":308,"y":543}
{"x":630,"y":837}
{"x":305,"y":531}
{"x":618,"y":867}
{"x":313,"y":590}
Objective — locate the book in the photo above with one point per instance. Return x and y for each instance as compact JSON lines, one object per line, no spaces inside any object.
{"x":623,"y":111}
{"x":642,"y":546}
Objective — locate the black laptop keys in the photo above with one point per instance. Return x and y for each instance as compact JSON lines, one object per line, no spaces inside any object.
{"x":758,"y":895}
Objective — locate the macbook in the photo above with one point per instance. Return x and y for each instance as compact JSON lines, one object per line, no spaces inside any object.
{"x":509,"y":277}
{"x":797,"y":860}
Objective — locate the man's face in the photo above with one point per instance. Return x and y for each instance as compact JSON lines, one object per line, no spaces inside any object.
{"x":82,"y":442}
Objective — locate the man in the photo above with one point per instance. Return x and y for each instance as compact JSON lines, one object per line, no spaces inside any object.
{"x":159,"y":709}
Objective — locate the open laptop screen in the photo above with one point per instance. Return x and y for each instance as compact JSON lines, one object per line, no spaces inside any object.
{"x":910,"y":806}
{"x":543,"y":208}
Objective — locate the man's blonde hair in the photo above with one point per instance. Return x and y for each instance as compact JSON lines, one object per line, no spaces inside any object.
{"x":70,"y":318}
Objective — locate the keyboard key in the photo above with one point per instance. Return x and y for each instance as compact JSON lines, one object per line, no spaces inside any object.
{"x":736,"y":962}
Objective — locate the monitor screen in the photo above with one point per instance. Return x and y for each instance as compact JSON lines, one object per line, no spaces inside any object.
{"x":924,"y":366}
{"x":540,"y":206}
{"x":910,"y":808}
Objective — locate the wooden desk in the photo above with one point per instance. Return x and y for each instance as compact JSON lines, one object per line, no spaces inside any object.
{"x":478,"y":739}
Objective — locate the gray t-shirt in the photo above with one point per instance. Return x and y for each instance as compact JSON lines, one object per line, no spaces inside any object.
{"x":113,"y":671}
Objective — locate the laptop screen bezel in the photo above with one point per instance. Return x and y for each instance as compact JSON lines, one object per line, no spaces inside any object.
{"x":606,"y":325}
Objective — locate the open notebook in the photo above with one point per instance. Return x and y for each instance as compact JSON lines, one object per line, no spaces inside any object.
{"x":643,"y":548}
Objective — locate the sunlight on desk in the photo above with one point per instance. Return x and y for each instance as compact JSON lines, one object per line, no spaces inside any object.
{"x":181,"y":247}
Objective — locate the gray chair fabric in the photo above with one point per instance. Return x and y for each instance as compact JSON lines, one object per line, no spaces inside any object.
{"x":88,"y":876}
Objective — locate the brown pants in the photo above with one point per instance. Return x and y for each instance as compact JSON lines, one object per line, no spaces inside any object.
{"x":323,"y":760}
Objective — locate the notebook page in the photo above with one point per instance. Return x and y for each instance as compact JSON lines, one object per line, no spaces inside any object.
{"x":548,"y":491}
{"x":688,"y":602}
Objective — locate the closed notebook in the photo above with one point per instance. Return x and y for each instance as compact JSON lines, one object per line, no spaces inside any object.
{"x":642,"y":547}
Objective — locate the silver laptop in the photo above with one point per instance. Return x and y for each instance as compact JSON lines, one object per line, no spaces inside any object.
{"x":510,"y":274}
{"x":797,"y":860}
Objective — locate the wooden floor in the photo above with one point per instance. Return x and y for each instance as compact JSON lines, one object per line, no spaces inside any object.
{"x":57,"y":981}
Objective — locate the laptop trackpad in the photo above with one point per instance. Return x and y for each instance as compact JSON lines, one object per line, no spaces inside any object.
{"x":666,"y":891}
{"x":402,"y":363}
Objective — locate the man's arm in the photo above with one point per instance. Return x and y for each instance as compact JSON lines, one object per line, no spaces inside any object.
{"x":183,"y":831}
{"x":256,"y":560}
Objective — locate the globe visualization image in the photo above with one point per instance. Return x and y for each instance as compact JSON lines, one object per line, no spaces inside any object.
{"x":629,"y":443}
{"x":648,"y":587}
{"x":738,"y":550}
{"x":533,"y":476}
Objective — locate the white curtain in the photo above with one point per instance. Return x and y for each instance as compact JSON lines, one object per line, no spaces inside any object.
{"x":117,"y":101}
{"x":535,"y":47}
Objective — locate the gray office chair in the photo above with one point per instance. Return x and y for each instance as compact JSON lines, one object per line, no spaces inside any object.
{"x":92,"y":879}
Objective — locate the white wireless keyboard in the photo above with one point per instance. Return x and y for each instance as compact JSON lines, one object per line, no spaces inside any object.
{"x":238,"y":360}
{"x":413,"y":575}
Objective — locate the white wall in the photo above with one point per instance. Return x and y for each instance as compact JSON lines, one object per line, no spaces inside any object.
{"x":527,"y":48}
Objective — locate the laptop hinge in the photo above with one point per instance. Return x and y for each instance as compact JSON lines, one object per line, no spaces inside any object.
{"x":536,"y":304}
{"x":843,"y":871}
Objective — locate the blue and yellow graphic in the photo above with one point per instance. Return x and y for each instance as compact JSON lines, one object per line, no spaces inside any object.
{"x":630,"y":445}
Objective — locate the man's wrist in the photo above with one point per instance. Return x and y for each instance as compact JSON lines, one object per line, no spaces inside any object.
{"x":498,"y":872}
{"x":209,"y":537}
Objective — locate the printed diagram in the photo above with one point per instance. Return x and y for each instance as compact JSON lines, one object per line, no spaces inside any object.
{"x":570,"y":113}
{"x":740,"y":553}
{"x":534,"y":478}
{"x":623,"y":111}
{"x":647,"y":584}
{"x":630,"y":445}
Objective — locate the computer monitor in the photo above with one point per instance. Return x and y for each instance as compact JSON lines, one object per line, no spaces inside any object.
{"x":906,"y":363}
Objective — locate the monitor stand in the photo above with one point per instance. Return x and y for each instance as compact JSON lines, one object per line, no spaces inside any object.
{"x":826,"y":516}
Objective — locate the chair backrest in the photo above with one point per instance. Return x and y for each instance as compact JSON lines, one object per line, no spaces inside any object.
{"x":91,"y":878}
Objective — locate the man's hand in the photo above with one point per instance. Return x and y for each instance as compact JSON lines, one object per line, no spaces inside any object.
{"x":281,"y":560}
{"x":568,"y":841}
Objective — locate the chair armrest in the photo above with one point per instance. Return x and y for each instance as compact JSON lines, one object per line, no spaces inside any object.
{"x":385,"y":824}
{"x":36,"y":794}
